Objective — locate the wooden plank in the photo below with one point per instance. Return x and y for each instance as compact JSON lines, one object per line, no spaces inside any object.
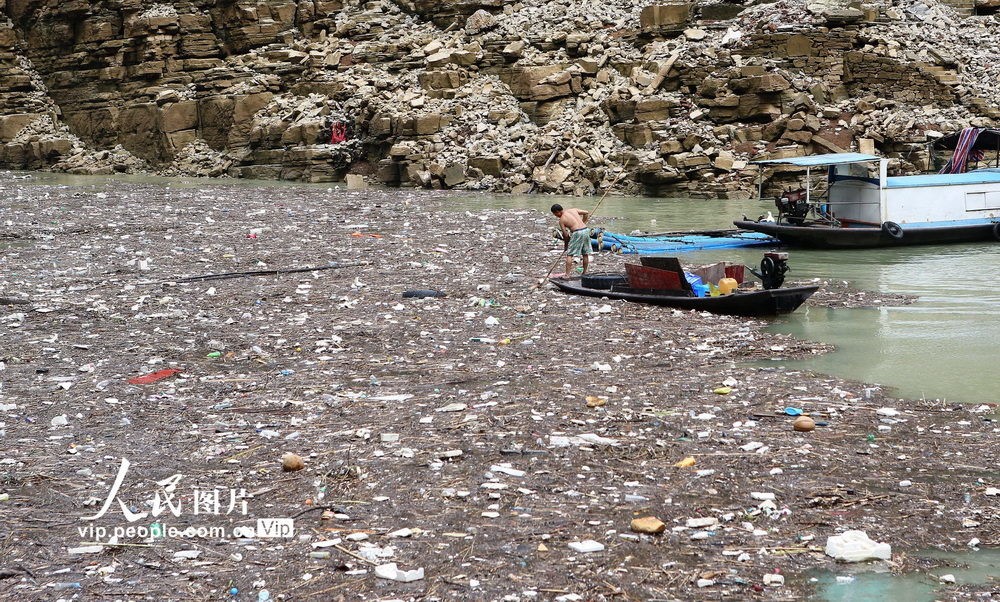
{"x":644,"y":277}
{"x":710,"y":273}
{"x":662,"y":262}
{"x":662,"y":73}
{"x":671,"y":264}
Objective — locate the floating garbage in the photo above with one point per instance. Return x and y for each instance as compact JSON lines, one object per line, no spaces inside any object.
{"x":586,"y":546}
{"x":647,"y":524}
{"x":390,"y":571}
{"x":855,"y":546}
{"x":774,"y":580}
{"x":153,"y":377}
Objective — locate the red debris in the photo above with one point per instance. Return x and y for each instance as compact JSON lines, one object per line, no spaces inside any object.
{"x":339,"y":133}
{"x":152,"y":377}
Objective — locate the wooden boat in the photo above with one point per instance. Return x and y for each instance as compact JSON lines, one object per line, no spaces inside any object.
{"x":861,"y":206}
{"x":759,"y":303}
{"x":667,"y":286}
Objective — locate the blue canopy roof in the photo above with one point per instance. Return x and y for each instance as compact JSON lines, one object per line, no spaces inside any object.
{"x":814,"y":160}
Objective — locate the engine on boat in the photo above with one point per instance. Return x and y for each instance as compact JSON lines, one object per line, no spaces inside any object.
{"x":772,"y":269}
{"x":792,"y":206}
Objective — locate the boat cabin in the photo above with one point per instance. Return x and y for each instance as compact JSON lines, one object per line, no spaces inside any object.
{"x":854,"y":189}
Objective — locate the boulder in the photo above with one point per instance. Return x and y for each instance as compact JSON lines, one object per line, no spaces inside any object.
{"x":453,"y":174}
{"x":654,"y":109}
{"x":541,"y":83}
{"x":665,"y":16}
{"x":550,"y":178}
{"x":10,"y":125}
{"x":799,"y":45}
{"x":838,"y":17}
{"x":442,"y":80}
{"x":490,"y":166}
{"x":635,"y":135}
{"x":541,"y":113}
{"x":179,"y":116}
{"x":480,"y":21}
{"x":724,"y":161}
{"x":657,"y":174}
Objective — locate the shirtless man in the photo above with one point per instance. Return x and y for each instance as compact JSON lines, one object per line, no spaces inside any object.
{"x":576,"y":237}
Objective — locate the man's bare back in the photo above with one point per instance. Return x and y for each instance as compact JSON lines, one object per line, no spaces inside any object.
{"x":573,"y":224}
{"x":573,"y":219}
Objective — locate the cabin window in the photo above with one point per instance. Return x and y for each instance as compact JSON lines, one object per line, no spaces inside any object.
{"x":978,"y":201}
{"x":853,"y":171}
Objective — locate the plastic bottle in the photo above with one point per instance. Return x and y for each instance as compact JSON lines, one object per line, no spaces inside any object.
{"x":67,"y":585}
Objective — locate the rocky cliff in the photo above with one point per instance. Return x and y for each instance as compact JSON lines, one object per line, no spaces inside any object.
{"x":538,"y":95}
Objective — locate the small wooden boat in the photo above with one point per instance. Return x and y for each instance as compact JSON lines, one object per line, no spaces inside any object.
{"x":854,"y":203}
{"x":669,"y":286}
{"x":759,"y":303}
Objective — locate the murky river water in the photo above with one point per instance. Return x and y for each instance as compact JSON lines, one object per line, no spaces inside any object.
{"x":874,"y":582}
{"x":943,"y":346}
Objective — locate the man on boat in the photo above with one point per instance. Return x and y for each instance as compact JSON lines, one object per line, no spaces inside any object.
{"x":576,"y":237}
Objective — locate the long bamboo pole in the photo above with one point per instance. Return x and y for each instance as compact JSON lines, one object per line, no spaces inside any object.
{"x":545,"y":278}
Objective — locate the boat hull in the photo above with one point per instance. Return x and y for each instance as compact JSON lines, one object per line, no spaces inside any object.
{"x":752,"y":304}
{"x":822,"y":237}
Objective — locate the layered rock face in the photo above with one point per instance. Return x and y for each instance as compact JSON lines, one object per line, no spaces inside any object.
{"x":541,"y":95}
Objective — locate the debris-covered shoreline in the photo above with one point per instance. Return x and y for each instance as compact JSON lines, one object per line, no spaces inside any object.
{"x":479,"y":439}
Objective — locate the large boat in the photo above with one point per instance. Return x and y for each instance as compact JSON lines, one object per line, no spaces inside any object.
{"x":854,"y":203}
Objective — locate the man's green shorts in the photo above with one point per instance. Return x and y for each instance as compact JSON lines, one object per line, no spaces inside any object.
{"x":579,"y":243}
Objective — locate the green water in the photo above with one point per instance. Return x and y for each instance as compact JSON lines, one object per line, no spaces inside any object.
{"x":874,"y":583}
{"x":940,"y":347}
